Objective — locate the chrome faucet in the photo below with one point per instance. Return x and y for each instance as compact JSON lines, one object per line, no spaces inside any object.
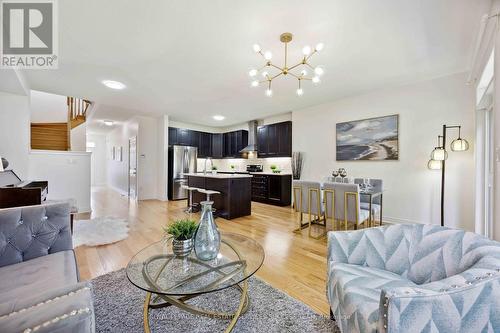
{"x":211,"y":165}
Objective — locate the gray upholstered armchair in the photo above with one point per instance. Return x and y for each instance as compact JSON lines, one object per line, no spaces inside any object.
{"x":414,"y":278}
{"x":39,"y":289}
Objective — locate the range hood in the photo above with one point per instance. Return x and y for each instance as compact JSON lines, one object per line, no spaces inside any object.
{"x":252,"y":138}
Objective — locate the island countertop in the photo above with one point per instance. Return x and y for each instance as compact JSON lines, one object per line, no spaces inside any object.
{"x":219,"y":175}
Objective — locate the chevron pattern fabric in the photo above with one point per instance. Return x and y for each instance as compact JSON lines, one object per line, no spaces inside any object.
{"x":414,"y":278}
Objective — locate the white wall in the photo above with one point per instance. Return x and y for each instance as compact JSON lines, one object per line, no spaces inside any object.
{"x":413,"y":191}
{"x":146,"y":131}
{"x":162,"y":190}
{"x":79,"y":138}
{"x":48,"y":108}
{"x":15,"y":132}
{"x":68,"y":174}
{"x":147,"y":151}
{"x":117,"y":172}
{"x":98,"y":159}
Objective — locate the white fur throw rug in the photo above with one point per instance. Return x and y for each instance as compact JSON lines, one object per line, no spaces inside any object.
{"x":99,"y":231}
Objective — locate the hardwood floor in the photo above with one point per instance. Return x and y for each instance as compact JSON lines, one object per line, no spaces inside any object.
{"x":294,"y":263}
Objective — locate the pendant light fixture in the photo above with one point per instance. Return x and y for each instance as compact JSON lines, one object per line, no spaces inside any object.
{"x":299,"y":71}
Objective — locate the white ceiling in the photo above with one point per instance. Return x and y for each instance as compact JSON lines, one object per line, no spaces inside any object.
{"x":190,"y":59}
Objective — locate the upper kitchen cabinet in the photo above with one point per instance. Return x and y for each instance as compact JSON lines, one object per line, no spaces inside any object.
{"x":217,"y":145}
{"x":204,"y":145}
{"x":275,"y":140}
{"x":234,"y":142}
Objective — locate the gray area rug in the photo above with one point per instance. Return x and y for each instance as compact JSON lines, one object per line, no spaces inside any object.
{"x":118,"y":308}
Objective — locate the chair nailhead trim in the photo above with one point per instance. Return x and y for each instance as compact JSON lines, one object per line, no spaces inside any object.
{"x":46,"y":302}
{"x":56,"y":319}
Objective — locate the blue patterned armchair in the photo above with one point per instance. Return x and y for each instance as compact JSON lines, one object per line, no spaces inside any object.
{"x":413,"y":278}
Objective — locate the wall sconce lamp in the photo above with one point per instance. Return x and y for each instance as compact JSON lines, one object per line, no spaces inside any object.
{"x":439,"y":156}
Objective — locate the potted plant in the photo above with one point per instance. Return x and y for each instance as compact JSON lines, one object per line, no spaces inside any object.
{"x":182,"y":232}
{"x":233,"y":167}
{"x":275,"y":169}
{"x":214,"y":170}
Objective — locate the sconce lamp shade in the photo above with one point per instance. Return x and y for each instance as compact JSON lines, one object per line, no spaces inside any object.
{"x":459,"y":145}
{"x":434,"y":165}
{"x":439,"y":154}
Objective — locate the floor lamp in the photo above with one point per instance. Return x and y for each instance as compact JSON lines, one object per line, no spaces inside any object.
{"x":439,"y":156}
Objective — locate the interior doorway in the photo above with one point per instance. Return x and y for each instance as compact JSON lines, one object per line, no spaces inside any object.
{"x":132,"y":167}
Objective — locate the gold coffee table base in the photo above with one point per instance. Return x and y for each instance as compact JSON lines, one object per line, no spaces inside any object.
{"x":180,"y":303}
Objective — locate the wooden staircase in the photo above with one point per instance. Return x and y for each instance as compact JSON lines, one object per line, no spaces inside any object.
{"x":57,"y":136}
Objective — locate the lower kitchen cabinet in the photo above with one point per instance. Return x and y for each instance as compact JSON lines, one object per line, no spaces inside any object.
{"x":272,"y":189}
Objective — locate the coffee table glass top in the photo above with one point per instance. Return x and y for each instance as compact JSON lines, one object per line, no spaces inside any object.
{"x":155,"y":269}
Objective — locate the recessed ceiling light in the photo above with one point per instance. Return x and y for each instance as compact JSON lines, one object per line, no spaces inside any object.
{"x":113,"y":84}
{"x":108,"y":123}
{"x":219,"y":117}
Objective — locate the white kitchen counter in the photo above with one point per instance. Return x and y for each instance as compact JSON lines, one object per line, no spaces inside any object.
{"x":218,"y":175}
{"x":271,"y":173}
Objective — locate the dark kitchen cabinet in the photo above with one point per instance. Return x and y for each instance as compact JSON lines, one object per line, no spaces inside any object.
{"x":204,"y":145}
{"x":275,"y":140}
{"x":183,"y":137}
{"x":272,"y":189}
{"x":172,"y":136}
{"x":284,"y":134}
{"x":262,"y":141}
{"x":234,"y":142}
{"x":217,"y":145}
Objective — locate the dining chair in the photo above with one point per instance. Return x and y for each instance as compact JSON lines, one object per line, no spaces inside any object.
{"x":342,"y":203}
{"x":307,"y":198}
{"x":377,"y":186}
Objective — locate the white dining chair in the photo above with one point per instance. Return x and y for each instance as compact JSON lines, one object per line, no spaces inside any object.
{"x":307,"y":198}
{"x":342,"y":204}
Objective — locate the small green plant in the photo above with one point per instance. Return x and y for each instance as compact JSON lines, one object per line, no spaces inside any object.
{"x":232,"y":166}
{"x":214,"y":168}
{"x":273,"y":167}
{"x":183,"y":229}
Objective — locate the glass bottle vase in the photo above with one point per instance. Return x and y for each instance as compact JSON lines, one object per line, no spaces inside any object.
{"x":207,"y":237}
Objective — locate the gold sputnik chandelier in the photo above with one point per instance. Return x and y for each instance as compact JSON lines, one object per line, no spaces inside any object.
{"x":298,"y":71}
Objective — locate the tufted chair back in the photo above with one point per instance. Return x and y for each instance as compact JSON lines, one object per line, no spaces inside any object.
{"x":34,"y":231}
{"x":437,"y":253}
{"x":422,"y":253}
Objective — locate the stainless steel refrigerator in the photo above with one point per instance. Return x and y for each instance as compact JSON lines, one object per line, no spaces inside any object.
{"x":181,"y":160}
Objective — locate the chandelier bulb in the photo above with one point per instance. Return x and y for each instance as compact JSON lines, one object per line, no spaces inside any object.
{"x":265,"y":74}
{"x":303,"y":72}
{"x":306,"y":50}
{"x":252,"y":72}
{"x":300,"y":92}
{"x":319,"y":71}
{"x":315,"y":79}
{"x":256,"y":48}
{"x":269,"y":92}
{"x":319,"y":46}
{"x":268,"y":55}
{"x":255,"y":83}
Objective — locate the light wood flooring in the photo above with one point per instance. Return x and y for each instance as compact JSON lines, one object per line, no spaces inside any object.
{"x":294,"y":263}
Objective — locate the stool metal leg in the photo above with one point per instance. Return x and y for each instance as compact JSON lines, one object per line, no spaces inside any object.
{"x":189,"y":209}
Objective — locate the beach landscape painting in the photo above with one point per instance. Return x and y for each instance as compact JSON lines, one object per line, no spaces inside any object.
{"x":372,"y":139}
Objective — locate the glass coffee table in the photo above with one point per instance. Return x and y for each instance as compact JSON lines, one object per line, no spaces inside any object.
{"x":170,"y":280}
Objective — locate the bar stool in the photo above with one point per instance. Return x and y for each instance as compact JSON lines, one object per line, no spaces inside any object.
{"x":208,"y":194}
{"x":191,"y":207}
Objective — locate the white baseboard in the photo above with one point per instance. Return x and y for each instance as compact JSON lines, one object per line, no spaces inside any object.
{"x":398,"y":220}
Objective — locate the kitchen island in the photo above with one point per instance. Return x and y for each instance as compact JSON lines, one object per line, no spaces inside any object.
{"x":236,"y":192}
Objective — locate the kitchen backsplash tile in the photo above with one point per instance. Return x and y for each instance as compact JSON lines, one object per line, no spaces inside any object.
{"x":283,"y":163}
